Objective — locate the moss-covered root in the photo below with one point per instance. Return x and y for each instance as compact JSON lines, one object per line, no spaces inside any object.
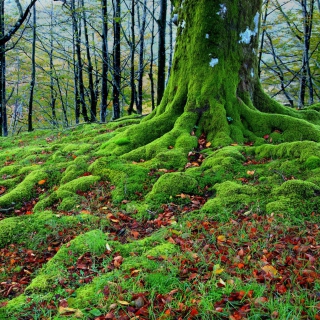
{"x":93,"y":241}
{"x":24,"y":190}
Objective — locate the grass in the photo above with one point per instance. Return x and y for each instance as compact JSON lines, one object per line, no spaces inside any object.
{"x":116,"y":253}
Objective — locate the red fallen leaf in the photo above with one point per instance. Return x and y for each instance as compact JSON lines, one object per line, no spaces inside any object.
{"x":194,"y":312}
{"x":266,"y":137}
{"x":2,"y":189}
{"x":281,"y":289}
{"x":240,"y":265}
{"x":117,"y":261}
{"x":260,"y":300}
{"x":28,"y":212}
{"x":219,"y":309}
{"x":106,"y":291}
{"x":63,"y":303}
{"x":167,"y":312}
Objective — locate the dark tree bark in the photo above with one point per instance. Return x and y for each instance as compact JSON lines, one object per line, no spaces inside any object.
{"x":33,"y":69}
{"x":306,"y":77}
{"x":152,"y":62}
{"x":75,"y":65}
{"x":116,"y":59}
{"x":132,"y":55}
{"x":141,"y":58}
{"x":53,"y":95}
{"x":93,"y":98}
{"x":162,"y":23}
{"x":170,"y":43}
{"x":3,"y":110}
{"x":105,"y":61}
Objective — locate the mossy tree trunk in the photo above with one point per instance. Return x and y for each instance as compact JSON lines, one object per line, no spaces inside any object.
{"x":214,"y":85}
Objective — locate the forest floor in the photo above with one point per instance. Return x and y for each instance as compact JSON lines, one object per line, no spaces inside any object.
{"x":87,"y":236}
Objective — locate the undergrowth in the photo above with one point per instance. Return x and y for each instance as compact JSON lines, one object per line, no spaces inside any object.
{"x":220,"y":233}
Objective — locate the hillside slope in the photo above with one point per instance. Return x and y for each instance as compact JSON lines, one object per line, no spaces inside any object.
{"x":223,"y":233}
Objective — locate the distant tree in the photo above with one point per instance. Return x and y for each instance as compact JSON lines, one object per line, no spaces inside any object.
{"x":162,"y":23}
{"x":33,"y":69}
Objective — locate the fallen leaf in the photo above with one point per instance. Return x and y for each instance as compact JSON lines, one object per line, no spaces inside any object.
{"x":250,"y":173}
{"x":2,"y":189}
{"x":123,"y":303}
{"x":42,"y":182}
{"x":217,"y":269}
{"x":70,"y":311}
{"x":270,"y":269}
{"x":221,"y":238}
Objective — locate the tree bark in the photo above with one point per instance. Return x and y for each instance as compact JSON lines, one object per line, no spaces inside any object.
{"x":116,"y":60}
{"x":132,"y":54}
{"x":214,"y":88}
{"x":105,"y":61}
{"x":33,"y":69}
{"x":3,"y":109}
{"x":141,"y":58}
{"x":93,"y":98}
{"x":162,"y":23}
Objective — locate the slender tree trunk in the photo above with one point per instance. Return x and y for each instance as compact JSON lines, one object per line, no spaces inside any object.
{"x":80,"y":70}
{"x":105,"y":61}
{"x":33,"y":68}
{"x":75,"y":65}
{"x":170,"y":44}
{"x":3,"y":108}
{"x":132,"y":54}
{"x":141,"y":58}
{"x":116,"y":59}
{"x":263,"y":33}
{"x":93,"y":98}
{"x":162,"y":23}
{"x":151,"y":62}
{"x":306,"y":77}
{"x":53,"y":96}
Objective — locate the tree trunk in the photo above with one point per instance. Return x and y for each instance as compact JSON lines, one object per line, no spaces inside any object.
{"x":141,"y":58}
{"x":53,"y":95}
{"x":132,"y":54}
{"x":105,"y":61}
{"x":116,"y":60}
{"x":75,"y":65}
{"x":151,"y":62}
{"x":93,"y":98}
{"x":162,"y":23}
{"x":214,"y":87}
{"x":3,"y":109}
{"x":33,"y":69}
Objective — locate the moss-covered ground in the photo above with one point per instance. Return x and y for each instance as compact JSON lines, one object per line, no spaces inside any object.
{"x":176,"y":229}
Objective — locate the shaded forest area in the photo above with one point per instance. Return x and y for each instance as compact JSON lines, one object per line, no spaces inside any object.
{"x":76,"y":61}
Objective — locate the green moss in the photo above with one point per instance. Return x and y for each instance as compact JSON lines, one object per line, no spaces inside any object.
{"x":301,"y":150}
{"x":312,"y":162}
{"x":77,"y":149}
{"x":73,"y":171}
{"x":10,"y":170}
{"x":93,"y":241}
{"x":171,"y":184}
{"x":297,"y":188}
{"x":68,"y":203}
{"x":122,"y":141}
{"x":229,"y":195}
{"x":79,"y":184}
{"x":24,"y":190}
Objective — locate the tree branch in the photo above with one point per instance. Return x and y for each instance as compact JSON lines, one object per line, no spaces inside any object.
{"x":18,"y":24}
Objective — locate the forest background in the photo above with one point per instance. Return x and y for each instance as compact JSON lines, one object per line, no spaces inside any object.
{"x":75,"y":61}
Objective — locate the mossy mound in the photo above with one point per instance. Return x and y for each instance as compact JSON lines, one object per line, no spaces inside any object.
{"x":171,"y":184}
{"x":24,"y":190}
{"x":229,"y":196}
